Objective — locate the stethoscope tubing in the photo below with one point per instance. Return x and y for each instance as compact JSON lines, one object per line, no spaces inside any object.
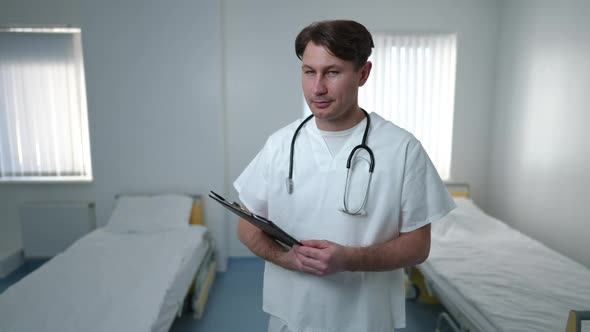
{"x":362,"y":146}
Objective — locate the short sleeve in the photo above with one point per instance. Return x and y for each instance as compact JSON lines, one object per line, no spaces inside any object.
{"x":424,"y":196}
{"x":252,"y":184}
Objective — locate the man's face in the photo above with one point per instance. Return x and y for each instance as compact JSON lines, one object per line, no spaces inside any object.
{"x":330,"y":86}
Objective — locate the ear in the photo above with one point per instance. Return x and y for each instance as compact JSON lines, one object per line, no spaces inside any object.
{"x":365,"y":71}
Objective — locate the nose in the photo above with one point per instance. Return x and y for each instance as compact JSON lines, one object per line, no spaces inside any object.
{"x":319,"y":87}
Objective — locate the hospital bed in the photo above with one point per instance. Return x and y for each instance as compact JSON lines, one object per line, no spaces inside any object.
{"x":491,"y":277}
{"x":134,"y":274}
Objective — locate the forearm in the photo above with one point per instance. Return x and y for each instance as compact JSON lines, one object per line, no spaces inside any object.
{"x":261,"y":244}
{"x":408,"y":249}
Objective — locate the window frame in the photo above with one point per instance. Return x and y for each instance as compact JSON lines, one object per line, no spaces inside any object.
{"x":80,"y":161}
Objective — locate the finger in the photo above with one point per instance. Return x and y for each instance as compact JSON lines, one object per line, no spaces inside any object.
{"x":312,"y":271}
{"x":298,"y":265}
{"x":301,"y":256}
{"x":308,"y":266}
{"x":316,"y":243}
{"x":311,"y":263}
{"x":310,"y":252}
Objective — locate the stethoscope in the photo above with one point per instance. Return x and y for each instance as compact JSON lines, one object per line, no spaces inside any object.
{"x":362,"y":146}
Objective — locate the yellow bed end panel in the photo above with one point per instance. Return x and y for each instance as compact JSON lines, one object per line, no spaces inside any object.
{"x":196,"y":213}
{"x":458,"y":189}
{"x":571,"y":322}
{"x":459,"y":194}
{"x":575,"y":319}
{"x":417,"y":280}
{"x":208,"y":283}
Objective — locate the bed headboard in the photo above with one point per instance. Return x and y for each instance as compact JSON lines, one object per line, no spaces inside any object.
{"x":197,"y":211}
{"x":576,"y":319}
{"x":196,"y":217}
{"x":458,"y":189}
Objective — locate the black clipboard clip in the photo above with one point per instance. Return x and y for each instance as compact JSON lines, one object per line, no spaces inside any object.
{"x":267,"y":226}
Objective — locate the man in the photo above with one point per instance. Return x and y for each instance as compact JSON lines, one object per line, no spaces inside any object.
{"x":359,"y":227}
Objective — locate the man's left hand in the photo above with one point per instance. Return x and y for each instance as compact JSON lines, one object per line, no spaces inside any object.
{"x":322,"y":257}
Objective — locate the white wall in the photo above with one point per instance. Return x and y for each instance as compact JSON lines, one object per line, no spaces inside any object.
{"x":263,"y":74}
{"x":153,"y":76}
{"x":158,"y":78}
{"x":40,"y":12}
{"x":539,"y":180}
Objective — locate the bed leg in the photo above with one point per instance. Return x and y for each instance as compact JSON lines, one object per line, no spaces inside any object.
{"x":450,"y":322}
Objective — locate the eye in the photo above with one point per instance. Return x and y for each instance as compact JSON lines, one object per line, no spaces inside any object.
{"x":308,"y":72}
{"x":333,"y":72}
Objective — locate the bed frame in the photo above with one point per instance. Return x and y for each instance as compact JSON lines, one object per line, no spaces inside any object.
{"x":198,"y":292}
{"x":458,"y":189}
{"x":462,"y":315}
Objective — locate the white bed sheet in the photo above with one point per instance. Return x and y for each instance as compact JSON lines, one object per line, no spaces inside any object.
{"x":107,"y":282}
{"x":174,"y":299}
{"x":515,"y":282}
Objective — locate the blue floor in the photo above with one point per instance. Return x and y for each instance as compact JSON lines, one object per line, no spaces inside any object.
{"x":28,"y":267}
{"x":235,"y":301}
{"x":235,"y":304}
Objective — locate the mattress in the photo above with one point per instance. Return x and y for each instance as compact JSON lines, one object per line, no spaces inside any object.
{"x":500,"y":279}
{"x":191,"y":269}
{"x":108,"y":282}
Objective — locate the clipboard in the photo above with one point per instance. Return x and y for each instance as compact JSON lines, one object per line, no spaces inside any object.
{"x":267,"y":226}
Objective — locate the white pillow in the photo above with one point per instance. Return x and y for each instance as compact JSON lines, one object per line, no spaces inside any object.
{"x":147,"y":214}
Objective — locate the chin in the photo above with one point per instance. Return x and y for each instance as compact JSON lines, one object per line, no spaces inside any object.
{"x":322,"y":113}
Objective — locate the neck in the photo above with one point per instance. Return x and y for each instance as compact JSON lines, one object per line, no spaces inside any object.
{"x":350,"y":120}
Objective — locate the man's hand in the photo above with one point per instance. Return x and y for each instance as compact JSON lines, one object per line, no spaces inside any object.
{"x":314,"y":257}
{"x":319,"y":257}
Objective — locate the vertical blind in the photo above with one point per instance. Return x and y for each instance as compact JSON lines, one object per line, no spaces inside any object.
{"x":412,"y":84}
{"x":43,"y":115}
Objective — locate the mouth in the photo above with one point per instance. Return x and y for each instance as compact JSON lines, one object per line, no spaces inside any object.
{"x":322,"y":103}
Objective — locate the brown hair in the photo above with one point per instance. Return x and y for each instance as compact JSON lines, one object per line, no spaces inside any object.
{"x":347,"y":40}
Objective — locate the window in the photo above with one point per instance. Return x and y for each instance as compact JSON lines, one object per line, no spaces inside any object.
{"x":412,"y":84}
{"x":43,"y":116}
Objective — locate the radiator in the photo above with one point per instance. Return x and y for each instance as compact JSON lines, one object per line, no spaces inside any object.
{"x":48,"y":228}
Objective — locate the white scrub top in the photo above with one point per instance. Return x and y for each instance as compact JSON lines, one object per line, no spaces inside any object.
{"x":405,"y":194}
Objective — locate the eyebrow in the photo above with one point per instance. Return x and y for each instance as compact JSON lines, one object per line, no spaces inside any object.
{"x":304,"y":66}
